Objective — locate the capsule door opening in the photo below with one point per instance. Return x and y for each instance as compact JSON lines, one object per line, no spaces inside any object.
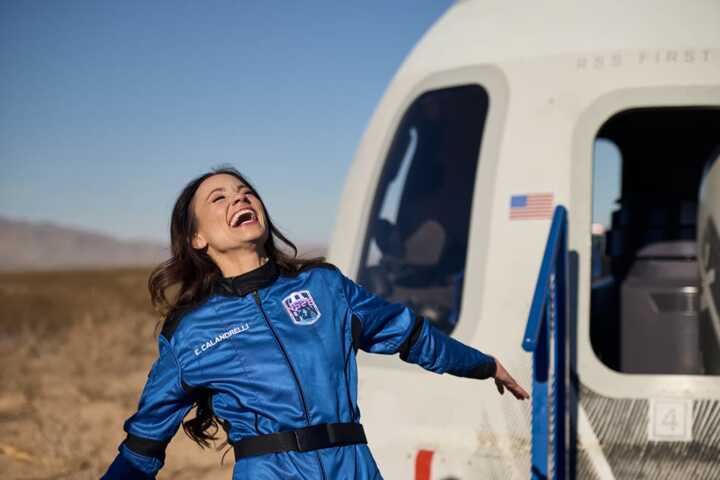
{"x":645,"y":272}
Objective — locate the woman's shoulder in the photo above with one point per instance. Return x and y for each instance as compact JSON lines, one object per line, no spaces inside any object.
{"x":325,"y":270}
{"x":318,"y":265}
{"x":179,"y":318}
{"x":170,"y":324}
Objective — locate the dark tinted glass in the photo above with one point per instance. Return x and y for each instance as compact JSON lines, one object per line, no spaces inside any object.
{"x":417,"y":238}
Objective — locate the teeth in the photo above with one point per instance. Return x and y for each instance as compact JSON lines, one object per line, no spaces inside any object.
{"x":235,"y":221}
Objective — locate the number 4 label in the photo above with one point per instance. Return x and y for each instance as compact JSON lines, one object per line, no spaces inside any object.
{"x":670,"y":420}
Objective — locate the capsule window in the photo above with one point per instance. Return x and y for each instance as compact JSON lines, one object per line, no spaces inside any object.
{"x":417,"y":238}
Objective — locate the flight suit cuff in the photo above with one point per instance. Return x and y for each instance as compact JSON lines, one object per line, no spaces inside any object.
{"x":487,"y":369}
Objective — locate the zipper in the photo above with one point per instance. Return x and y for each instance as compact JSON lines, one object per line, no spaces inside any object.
{"x":292,"y":370}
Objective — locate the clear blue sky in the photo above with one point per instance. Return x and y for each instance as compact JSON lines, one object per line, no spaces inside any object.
{"x":107,"y":108}
{"x":606,"y":180}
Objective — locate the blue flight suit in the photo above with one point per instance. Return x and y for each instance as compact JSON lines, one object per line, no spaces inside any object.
{"x":277,"y":353}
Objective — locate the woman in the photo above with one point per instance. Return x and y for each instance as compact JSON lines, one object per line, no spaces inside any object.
{"x":264,"y":344}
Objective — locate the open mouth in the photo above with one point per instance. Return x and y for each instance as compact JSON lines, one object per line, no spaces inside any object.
{"x":242,"y":217}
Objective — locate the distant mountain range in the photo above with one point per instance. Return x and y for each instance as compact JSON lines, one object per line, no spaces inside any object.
{"x":46,"y":246}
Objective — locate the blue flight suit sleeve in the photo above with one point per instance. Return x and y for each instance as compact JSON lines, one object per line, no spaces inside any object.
{"x":163,"y":405}
{"x":383,"y":327}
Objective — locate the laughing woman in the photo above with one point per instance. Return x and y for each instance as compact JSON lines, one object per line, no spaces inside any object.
{"x":264,"y":345}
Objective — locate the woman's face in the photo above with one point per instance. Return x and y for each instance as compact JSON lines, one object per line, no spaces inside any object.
{"x":228,"y":216}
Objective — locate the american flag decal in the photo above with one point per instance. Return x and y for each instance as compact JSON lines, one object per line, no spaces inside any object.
{"x":531,"y":206}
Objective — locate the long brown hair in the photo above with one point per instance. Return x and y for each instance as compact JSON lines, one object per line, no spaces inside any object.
{"x":192,"y":273}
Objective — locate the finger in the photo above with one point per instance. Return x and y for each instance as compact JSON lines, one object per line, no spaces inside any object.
{"x":510,"y":386}
{"x":514,"y":388}
{"x":500,"y":388}
{"x":520,"y":392}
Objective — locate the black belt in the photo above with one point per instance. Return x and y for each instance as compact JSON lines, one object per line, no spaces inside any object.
{"x":301,"y":440}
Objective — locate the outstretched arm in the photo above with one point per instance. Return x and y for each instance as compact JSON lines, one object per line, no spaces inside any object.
{"x":163,"y":405}
{"x":383,"y":327}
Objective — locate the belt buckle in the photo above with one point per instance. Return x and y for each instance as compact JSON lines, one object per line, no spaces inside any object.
{"x":298,"y":440}
{"x":315,"y":437}
{"x":330,"y":431}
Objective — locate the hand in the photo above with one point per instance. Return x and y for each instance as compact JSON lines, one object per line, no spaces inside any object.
{"x":504,"y":380}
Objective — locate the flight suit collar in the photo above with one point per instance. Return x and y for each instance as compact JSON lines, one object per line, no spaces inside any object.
{"x":250,"y":281}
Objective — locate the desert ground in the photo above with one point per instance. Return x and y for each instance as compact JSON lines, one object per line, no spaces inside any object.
{"x":75,"y":349}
